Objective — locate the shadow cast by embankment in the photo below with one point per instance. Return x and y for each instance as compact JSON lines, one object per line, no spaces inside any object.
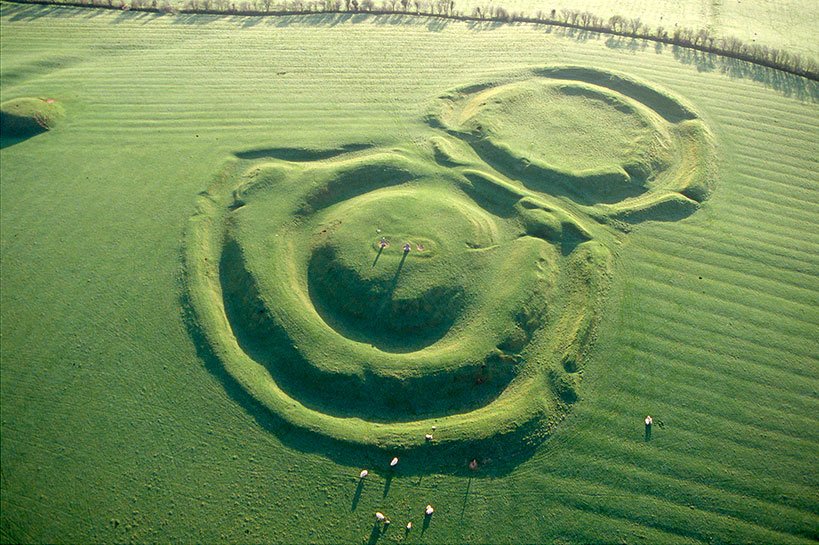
{"x":300,"y":154}
{"x":375,"y":317}
{"x":506,"y":451}
{"x":373,"y":397}
{"x":7,"y":141}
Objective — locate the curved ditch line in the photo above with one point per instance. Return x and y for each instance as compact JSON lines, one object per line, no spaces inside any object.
{"x":263,"y":326}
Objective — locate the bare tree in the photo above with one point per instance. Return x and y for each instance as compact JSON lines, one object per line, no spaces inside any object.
{"x":634,"y":25}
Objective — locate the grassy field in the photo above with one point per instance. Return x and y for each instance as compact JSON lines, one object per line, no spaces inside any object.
{"x":790,"y":24}
{"x":119,"y":420}
{"x":786,"y":24}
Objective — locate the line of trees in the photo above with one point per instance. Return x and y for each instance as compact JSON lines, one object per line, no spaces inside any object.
{"x":699,"y":39}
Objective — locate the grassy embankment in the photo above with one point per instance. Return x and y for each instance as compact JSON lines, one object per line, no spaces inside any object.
{"x":365,"y":296}
{"x":113,"y":429}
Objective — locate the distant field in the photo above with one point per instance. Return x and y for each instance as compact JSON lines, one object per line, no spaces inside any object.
{"x":124,"y":418}
{"x":790,"y":24}
{"x":787,"y":24}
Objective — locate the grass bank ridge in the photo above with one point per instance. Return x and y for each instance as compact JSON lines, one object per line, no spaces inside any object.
{"x":697,"y":39}
{"x":362,"y":343}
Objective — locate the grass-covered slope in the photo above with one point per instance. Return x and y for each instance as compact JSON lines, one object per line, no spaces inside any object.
{"x":119,"y":425}
{"x":376,"y":296}
{"x":24,"y":117}
{"x":377,"y":345}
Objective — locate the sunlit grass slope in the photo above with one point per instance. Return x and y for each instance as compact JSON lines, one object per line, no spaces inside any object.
{"x":787,"y":24}
{"x":117,"y":425}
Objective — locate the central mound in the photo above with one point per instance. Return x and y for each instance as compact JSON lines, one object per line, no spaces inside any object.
{"x":397,"y":299}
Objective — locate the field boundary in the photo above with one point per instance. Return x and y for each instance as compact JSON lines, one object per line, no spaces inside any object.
{"x":697,"y":40}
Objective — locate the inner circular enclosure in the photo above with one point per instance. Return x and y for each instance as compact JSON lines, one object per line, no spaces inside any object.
{"x":395,"y":299}
{"x":567,"y":125}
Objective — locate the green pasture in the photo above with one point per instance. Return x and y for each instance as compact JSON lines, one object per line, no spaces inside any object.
{"x":189,"y":261}
{"x":787,"y":24}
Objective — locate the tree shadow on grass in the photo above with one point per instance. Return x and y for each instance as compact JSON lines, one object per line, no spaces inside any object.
{"x":32,"y":12}
{"x":789,"y":85}
{"x":143,"y":17}
{"x":782,"y":82}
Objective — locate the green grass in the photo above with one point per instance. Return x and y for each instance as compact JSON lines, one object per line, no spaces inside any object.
{"x":25,"y":117}
{"x":789,"y":24}
{"x":378,"y":346}
{"x":119,"y":422}
{"x":564,"y":125}
{"x":364,"y":296}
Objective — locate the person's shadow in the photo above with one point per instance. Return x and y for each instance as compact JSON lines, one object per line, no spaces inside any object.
{"x":466,"y":497}
{"x":398,"y":271}
{"x":378,"y":255}
{"x":394,"y":281}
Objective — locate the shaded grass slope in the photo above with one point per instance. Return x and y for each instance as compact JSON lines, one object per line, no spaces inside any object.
{"x":22,"y":118}
{"x":330,"y":323}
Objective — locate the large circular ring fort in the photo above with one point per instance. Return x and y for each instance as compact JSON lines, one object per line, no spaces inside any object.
{"x":447,"y":293}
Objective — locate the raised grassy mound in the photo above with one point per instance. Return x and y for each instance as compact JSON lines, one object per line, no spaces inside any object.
{"x":373,"y":295}
{"x":26,"y":117}
{"x":592,"y":137}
